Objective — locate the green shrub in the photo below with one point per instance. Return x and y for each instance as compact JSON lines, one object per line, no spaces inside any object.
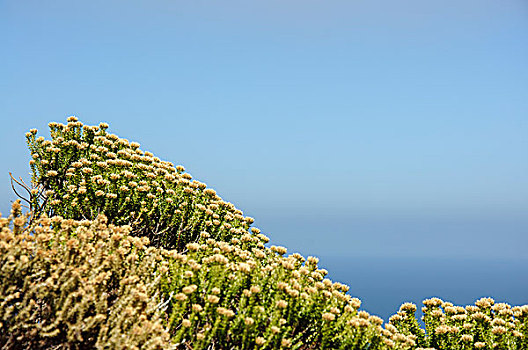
{"x":79,"y":274}
{"x":243,"y":295}
{"x":83,"y":171}
{"x":485,"y":325}
{"x":85,"y":284}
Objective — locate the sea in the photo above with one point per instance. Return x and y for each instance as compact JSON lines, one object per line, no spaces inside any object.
{"x":383,"y":284}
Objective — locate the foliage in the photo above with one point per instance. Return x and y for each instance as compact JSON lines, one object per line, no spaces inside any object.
{"x":485,"y":325}
{"x":67,"y":284}
{"x":244,"y":295}
{"x":84,"y":284}
{"x":78,"y":271}
{"x":84,"y":171}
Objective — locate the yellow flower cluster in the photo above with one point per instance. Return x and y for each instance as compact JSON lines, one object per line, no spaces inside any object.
{"x":485,"y":325}
{"x":242,"y":294}
{"x":83,"y":171}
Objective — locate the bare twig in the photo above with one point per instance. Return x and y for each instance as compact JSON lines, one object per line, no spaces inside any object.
{"x":14,"y":190}
{"x":25,"y":185}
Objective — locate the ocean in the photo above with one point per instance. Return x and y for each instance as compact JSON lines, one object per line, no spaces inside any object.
{"x":383,"y":284}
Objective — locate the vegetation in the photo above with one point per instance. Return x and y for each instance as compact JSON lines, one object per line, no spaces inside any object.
{"x":121,"y":250}
{"x":69,"y":284}
{"x":485,"y":325}
{"x":84,"y":171}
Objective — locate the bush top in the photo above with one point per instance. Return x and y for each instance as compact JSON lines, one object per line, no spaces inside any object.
{"x":84,"y":171}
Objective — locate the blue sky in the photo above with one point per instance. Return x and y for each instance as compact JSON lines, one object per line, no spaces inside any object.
{"x":346,"y":128}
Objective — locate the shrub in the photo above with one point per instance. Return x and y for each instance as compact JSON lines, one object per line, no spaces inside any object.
{"x":67,"y":284}
{"x":80,"y":274}
{"x":83,"y":171}
{"x":243,"y":295}
{"x":485,"y":325}
{"x":85,"y":284}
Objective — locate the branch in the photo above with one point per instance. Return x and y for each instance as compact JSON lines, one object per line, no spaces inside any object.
{"x":21,"y":183}
{"x":14,"y":190}
{"x":25,"y":185}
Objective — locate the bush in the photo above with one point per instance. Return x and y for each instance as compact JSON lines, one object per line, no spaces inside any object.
{"x":86,"y":284}
{"x":80,"y":273}
{"x":242,"y":295}
{"x":485,"y":325}
{"x":84,"y":171}
{"x":66,"y":284}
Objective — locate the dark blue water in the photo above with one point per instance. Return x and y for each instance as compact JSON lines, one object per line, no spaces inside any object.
{"x":383,"y":284}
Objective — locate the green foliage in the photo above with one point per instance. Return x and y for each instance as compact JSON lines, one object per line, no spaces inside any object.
{"x":66,"y":284}
{"x":244,"y":295}
{"x":85,"y":284}
{"x":83,"y":171}
{"x":80,"y":273}
{"x":485,"y":325}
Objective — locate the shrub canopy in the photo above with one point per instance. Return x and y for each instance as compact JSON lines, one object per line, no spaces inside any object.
{"x":68,"y":284}
{"x":83,"y":171}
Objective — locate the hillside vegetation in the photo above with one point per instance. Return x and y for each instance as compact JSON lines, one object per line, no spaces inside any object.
{"x":121,"y":250}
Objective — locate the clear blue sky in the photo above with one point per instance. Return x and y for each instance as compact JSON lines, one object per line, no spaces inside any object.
{"x":346,"y":128}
